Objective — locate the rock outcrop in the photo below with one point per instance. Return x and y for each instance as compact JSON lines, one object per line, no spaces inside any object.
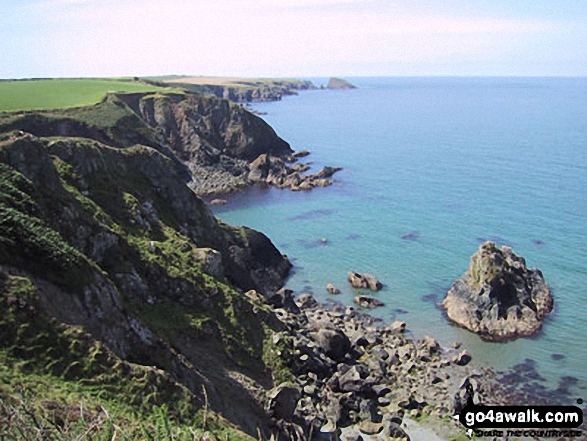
{"x":224,"y":146}
{"x":244,"y":90}
{"x":499,"y":297}
{"x":339,"y":84}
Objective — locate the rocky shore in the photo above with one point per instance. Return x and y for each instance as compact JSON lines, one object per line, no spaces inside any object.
{"x":356,"y":377}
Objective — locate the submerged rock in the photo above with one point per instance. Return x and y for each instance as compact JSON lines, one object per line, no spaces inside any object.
{"x":499,"y":297}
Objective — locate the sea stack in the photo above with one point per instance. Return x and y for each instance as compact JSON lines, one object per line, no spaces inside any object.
{"x":339,"y":84}
{"x":499,"y":298}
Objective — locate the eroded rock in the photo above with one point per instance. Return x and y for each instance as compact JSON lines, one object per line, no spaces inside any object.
{"x":499,"y":297}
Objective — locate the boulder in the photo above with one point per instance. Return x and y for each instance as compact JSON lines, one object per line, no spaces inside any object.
{"x":499,"y":298}
{"x":330,"y":288}
{"x":368,"y":302}
{"x":284,"y":299}
{"x":334,"y":343}
{"x":397,"y":326}
{"x":363,"y":280}
{"x":282,"y":401}
{"x":462,"y":359}
{"x":306,"y":301}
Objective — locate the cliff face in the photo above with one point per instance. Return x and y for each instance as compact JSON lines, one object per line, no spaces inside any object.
{"x":103,"y":245}
{"x":221,"y":143}
{"x":244,"y":90}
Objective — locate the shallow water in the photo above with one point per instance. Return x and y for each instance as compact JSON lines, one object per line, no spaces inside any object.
{"x":432,"y":167}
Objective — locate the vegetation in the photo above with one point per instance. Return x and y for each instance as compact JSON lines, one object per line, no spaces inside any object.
{"x":35,"y":94}
{"x":57,"y":381}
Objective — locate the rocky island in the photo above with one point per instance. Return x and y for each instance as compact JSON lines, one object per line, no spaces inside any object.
{"x":499,"y":298}
{"x":339,"y":84}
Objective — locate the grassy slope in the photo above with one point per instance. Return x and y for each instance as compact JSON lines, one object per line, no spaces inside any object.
{"x":239,"y":83}
{"x":62,"y":93}
{"x":48,"y":367}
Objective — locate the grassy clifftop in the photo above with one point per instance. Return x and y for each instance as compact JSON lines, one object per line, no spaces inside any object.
{"x":37,"y":94}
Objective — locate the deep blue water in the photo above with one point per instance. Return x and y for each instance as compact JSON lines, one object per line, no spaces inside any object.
{"x":445,"y":163}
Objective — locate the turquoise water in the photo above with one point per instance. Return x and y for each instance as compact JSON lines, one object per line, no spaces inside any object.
{"x":452,"y":161}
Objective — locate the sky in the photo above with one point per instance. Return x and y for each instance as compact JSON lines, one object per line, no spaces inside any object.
{"x":285,"y":38}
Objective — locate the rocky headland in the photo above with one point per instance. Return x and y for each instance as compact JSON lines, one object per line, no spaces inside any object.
{"x":224,"y":146}
{"x":243,"y":90}
{"x":499,"y":297}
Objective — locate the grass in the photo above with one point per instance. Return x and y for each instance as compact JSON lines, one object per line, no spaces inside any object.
{"x":62,"y":93}
{"x":233,"y":82}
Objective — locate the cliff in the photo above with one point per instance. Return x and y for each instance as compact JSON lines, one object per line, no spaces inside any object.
{"x":243,"y":89}
{"x":217,"y":140}
{"x":106,"y":249}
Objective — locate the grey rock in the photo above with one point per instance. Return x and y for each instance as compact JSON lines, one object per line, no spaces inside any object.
{"x":334,"y":343}
{"x":499,"y":297}
{"x":364,"y":280}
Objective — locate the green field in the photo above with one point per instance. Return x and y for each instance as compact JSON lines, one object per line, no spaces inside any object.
{"x":62,"y":93}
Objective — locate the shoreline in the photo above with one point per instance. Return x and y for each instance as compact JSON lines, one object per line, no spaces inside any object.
{"x":427,"y":381}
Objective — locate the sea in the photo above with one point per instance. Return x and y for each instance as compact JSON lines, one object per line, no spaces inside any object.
{"x":432,"y":167}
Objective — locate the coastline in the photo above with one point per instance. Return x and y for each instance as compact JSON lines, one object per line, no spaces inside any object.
{"x":345,"y":368}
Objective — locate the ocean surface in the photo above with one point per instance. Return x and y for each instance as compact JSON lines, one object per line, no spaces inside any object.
{"x":433,"y":167}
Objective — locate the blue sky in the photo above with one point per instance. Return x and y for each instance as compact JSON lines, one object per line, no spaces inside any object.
{"x":66,"y":38}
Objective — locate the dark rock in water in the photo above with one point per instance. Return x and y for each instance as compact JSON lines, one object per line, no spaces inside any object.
{"x":412,"y":235}
{"x":353,"y":237}
{"x":300,"y":154}
{"x":368,"y":302}
{"x":339,"y":84}
{"x":538,"y":242}
{"x":499,"y":297}
{"x":332,"y":289}
{"x":557,"y":356}
{"x":363,"y":280}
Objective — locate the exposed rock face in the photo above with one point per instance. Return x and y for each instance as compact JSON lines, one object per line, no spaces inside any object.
{"x":247,"y":90}
{"x":224,"y":146}
{"x":339,"y":84}
{"x":499,"y":297}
